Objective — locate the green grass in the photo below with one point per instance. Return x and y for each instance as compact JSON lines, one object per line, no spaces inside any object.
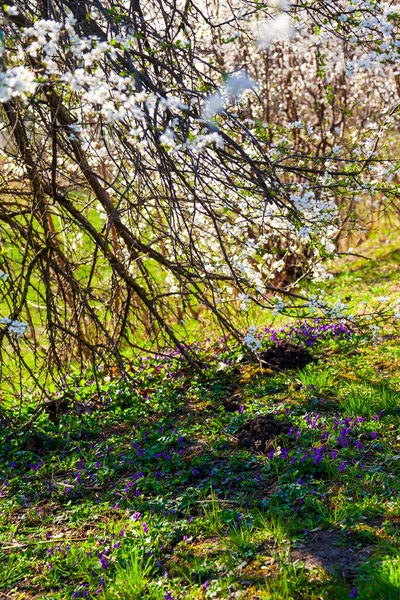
{"x":316,"y":377}
{"x":367,"y":400}
{"x":149,"y":495}
{"x":133,"y":577}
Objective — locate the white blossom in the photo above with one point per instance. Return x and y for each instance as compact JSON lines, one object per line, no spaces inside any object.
{"x":251,"y":339}
{"x":17,"y":82}
{"x":244,"y":300}
{"x":279,"y":305}
{"x":167,"y":138}
{"x":276,"y":29}
{"x":12,"y":11}
{"x":14,"y":327}
{"x":234,"y":87}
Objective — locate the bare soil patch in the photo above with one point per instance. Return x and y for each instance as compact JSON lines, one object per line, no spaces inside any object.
{"x":328,"y":549}
{"x":286,"y":356}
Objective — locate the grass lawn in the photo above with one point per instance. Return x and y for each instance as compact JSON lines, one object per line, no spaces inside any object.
{"x":254,"y":481}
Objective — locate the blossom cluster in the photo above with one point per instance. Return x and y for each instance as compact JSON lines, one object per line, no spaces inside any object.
{"x":14,"y":327}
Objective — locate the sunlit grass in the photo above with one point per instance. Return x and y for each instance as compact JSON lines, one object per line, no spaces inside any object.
{"x":367,"y":400}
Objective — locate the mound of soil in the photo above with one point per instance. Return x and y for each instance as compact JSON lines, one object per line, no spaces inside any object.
{"x":286,"y":356}
{"x":56,"y":408}
{"x":231,"y":407}
{"x":259,"y":433}
{"x":231,"y":402}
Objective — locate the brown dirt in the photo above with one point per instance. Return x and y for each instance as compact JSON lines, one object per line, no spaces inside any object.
{"x":118,"y":430}
{"x":286,"y":356}
{"x":259,"y":433}
{"x":232,"y":401}
{"x":56,"y":408}
{"x":328,"y":549}
{"x":231,"y":406}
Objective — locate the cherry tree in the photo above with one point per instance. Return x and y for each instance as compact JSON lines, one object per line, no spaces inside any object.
{"x":175,"y":160}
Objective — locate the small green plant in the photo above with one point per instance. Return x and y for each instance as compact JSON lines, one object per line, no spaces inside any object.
{"x":213,"y":514}
{"x":381,"y":581}
{"x":241,"y":539}
{"x":273,"y":526}
{"x":390,"y":399}
{"x":314,"y":376}
{"x":366,"y":400}
{"x":133,"y":577}
{"x":289,"y":581}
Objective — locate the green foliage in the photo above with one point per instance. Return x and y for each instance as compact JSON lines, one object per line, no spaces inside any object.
{"x":367,"y":400}
{"x":144,"y":490}
{"x":317,"y":377}
{"x":133,"y":577}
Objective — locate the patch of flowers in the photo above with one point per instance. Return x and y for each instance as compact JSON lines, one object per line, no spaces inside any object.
{"x":310,"y":333}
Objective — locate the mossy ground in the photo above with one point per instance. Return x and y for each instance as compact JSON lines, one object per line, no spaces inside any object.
{"x":144,"y":492}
